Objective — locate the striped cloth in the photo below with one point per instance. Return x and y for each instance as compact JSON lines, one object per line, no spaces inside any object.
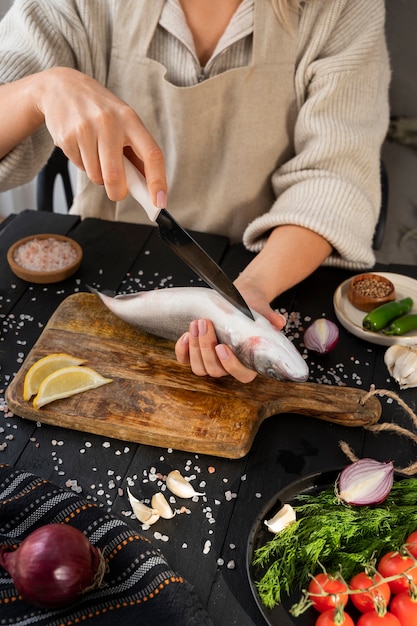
{"x":140,"y":586}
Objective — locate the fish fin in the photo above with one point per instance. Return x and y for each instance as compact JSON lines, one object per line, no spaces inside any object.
{"x":106,"y":292}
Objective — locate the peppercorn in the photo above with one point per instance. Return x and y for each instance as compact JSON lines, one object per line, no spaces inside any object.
{"x":372,"y":288}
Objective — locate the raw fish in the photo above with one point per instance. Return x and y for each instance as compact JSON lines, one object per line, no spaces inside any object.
{"x":168,"y":312}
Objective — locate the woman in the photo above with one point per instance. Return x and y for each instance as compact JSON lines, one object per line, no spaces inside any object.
{"x":259,"y":119}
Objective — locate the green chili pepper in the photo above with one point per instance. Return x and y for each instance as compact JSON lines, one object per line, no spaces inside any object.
{"x":402,"y":325}
{"x":381,"y":316}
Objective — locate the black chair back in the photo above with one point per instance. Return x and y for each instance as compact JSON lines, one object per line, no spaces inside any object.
{"x":56,"y":166}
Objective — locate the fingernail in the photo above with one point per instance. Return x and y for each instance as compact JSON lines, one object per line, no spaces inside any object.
{"x":185,"y":339}
{"x":202,"y":327}
{"x":221,"y":352}
{"x":194,"y":328}
{"x":161,"y":199}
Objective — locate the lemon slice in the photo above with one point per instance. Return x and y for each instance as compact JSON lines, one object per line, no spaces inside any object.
{"x":66,"y":382}
{"x":42,"y":368}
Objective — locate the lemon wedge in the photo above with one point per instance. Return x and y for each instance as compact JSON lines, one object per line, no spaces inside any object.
{"x":66,"y":382}
{"x":43,"y":367}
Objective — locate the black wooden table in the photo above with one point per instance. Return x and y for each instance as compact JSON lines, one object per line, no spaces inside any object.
{"x":208,"y":544}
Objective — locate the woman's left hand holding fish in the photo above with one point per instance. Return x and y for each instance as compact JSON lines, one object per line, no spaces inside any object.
{"x":200,"y":349}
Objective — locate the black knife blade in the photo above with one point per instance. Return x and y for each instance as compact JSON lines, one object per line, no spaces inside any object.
{"x":182,"y":243}
{"x":187,"y":249}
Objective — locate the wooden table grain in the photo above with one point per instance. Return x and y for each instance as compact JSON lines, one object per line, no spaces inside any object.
{"x":207,"y":543}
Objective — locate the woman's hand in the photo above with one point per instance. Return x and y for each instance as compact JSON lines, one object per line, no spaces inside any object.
{"x":258,"y":286}
{"x":94,"y":128}
{"x":200,"y":349}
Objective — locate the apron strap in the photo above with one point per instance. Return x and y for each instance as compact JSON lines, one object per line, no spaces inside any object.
{"x":140,"y":18}
{"x":271,"y":40}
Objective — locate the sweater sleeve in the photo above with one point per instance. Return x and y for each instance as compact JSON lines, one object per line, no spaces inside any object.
{"x":332,"y":183}
{"x":39,"y":34}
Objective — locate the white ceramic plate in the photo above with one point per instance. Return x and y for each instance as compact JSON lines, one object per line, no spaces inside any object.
{"x":351,"y":318}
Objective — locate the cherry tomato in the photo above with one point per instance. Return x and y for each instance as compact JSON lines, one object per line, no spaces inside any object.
{"x":367,"y":600}
{"x":371,"y":618}
{"x":394,"y":563}
{"x":404,"y":607}
{"x":336,"y":590}
{"x":411,"y":543}
{"x":328,"y":619}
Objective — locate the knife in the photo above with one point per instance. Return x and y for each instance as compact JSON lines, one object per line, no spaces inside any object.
{"x":182,"y":243}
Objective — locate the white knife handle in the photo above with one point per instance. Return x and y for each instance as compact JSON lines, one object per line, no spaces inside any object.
{"x":138,"y":189}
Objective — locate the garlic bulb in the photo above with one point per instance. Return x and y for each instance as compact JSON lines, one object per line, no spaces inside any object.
{"x":144,"y":513}
{"x":180,"y":485}
{"x":284,"y":517}
{"x":160,"y":504}
{"x":401,"y":362}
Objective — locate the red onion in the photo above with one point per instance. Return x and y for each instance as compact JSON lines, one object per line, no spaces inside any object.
{"x":322,"y":336}
{"x":54,"y":565}
{"x":365,"y":482}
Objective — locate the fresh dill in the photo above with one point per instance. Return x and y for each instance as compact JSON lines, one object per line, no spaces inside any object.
{"x":334,"y":536}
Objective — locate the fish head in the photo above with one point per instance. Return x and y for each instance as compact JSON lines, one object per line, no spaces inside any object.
{"x":279,"y":360}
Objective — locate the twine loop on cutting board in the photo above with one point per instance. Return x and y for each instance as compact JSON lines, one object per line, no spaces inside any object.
{"x":389,"y":427}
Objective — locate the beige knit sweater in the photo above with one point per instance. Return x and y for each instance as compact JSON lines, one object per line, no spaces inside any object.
{"x":329,"y":184}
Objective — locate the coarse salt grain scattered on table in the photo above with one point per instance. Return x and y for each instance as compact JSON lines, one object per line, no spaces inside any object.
{"x":207,"y":546}
{"x":45,"y":255}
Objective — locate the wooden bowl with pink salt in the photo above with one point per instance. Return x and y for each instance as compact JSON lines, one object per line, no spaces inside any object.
{"x":45,"y":258}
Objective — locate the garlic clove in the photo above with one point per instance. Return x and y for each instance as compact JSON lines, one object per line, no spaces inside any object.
{"x":144,"y":513}
{"x":180,"y":486}
{"x":401,"y":362}
{"x":404,"y":367}
{"x":284,"y":517}
{"x":160,"y":504}
{"x":391,"y":355}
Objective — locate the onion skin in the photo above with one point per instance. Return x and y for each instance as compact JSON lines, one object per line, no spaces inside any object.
{"x":321,"y":336}
{"x":365,"y":482}
{"x":53,"y":566}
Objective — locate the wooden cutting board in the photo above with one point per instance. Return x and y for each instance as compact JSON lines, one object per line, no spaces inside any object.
{"x":156,"y":401}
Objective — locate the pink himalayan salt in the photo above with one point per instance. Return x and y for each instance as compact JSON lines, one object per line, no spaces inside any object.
{"x":45,"y":255}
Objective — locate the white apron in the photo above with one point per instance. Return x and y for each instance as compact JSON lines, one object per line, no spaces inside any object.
{"x":222,"y":138}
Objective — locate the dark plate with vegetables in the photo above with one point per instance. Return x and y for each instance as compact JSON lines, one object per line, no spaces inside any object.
{"x":259,"y":535}
{"x":327,"y":534}
{"x":351,"y":317}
